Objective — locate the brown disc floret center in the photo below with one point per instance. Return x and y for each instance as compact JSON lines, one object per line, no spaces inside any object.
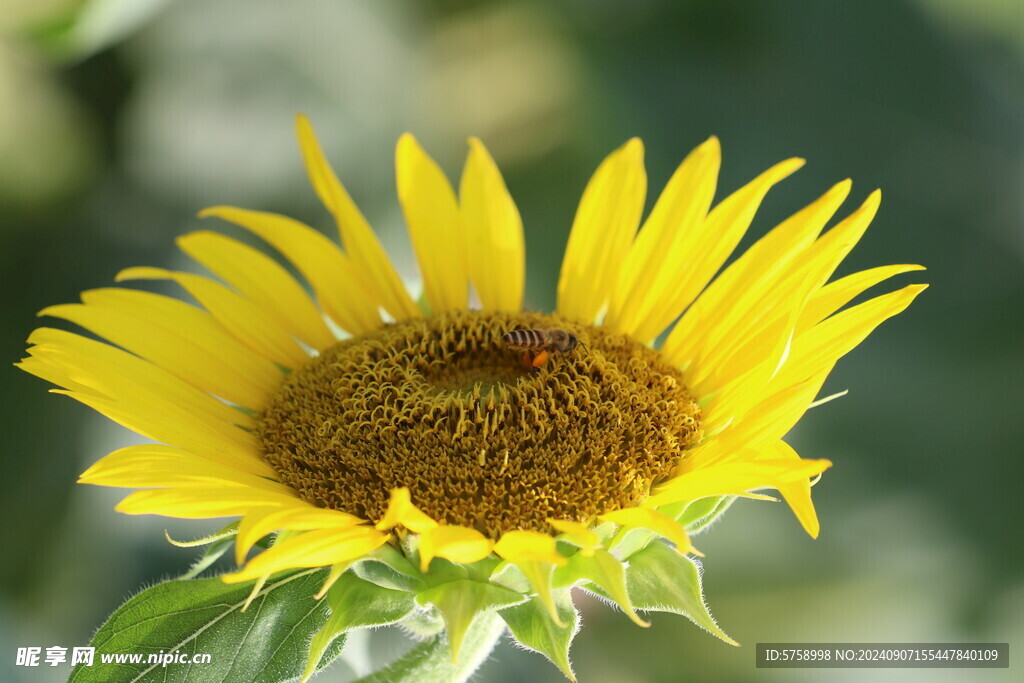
{"x":443,"y":406}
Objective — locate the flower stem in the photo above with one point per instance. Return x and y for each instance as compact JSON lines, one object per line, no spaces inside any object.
{"x":431,"y":661}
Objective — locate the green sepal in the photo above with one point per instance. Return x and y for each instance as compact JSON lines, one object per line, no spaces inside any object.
{"x":484,"y":569}
{"x":460,"y":601}
{"x":534,"y":629}
{"x":227,"y":532}
{"x":212,"y":553}
{"x":432,"y":660}
{"x":218,"y":543}
{"x":605,"y":531}
{"x":361,"y":603}
{"x":388,"y":568}
{"x":510,"y":576}
{"x":699,"y":514}
{"x":660,"y":579}
{"x":445,"y":571}
{"x":629,"y":541}
{"x":540,"y":576}
{"x":603,"y":570}
{"x":424,"y":623}
{"x":267,"y":642}
{"x":694,"y":516}
{"x":356,"y":603}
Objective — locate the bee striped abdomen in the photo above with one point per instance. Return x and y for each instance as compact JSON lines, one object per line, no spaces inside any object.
{"x":525,"y":339}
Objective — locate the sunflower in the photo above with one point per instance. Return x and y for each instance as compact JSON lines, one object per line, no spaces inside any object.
{"x":361,"y":428}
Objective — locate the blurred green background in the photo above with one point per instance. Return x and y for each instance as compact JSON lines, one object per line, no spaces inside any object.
{"x":119,"y":119}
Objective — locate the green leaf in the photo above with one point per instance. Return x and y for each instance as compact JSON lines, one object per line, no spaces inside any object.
{"x":660,"y":579}
{"x":356,"y":603}
{"x":432,"y":661}
{"x":460,"y":601}
{"x":88,"y":26}
{"x":268,"y":642}
{"x":533,"y":627}
{"x":604,"y":570}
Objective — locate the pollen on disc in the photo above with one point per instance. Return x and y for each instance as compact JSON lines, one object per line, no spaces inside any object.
{"x":443,"y":406}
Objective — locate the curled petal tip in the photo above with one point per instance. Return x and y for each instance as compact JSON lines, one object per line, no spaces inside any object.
{"x":793,"y":164}
{"x":209,"y":211}
{"x":844,"y":185}
{"x":406,"y":139}
{"x":633,"y":147}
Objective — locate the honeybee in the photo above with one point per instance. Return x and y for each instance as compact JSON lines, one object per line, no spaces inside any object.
{"x":539,"y":344}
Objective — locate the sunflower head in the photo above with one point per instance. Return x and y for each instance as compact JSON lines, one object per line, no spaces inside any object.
{"x":462,"y":469}
{"x":441,"y":406}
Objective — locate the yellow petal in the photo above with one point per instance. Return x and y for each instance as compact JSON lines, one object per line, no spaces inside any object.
{"x":822,"y":345}
{"x":455,"y":543}
{"x":177,"y":337}
{"x":369,"y":259}
{"x":112,"y":373}
{"x":239,"y":316}
{"x":773,"y":412}
{"x":432,"y":215}
{"x":577,"y":533}
{"x":653,"y":520}
{"x":333,"y":575}
{"x":311,"y":549}
{"x":300,"y":516}
{"x":402,"y":512}
{"x":160,"y":466}
{"x":751,"y":275}
{"x":327,"y":270}
{"x":529,"y":546}
{"x":602,"y":232}
{"x":730,"y":478}
{"x":493,"y":231}
{"x":661,"y":249}
{"x":798,"y":493}
{"x":761,"y":333}
{"x":260,"y":279}
{"x":254,"y":593}
{"x":172,"y":426}
{"x":144,"y":398}
{"x":53,"y":374}
{"x":835,"y":295}
{"x":201,"y":501}
{"x":709,"y":245}
{"x":729,"y":403}
{"x":759,"y":313}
